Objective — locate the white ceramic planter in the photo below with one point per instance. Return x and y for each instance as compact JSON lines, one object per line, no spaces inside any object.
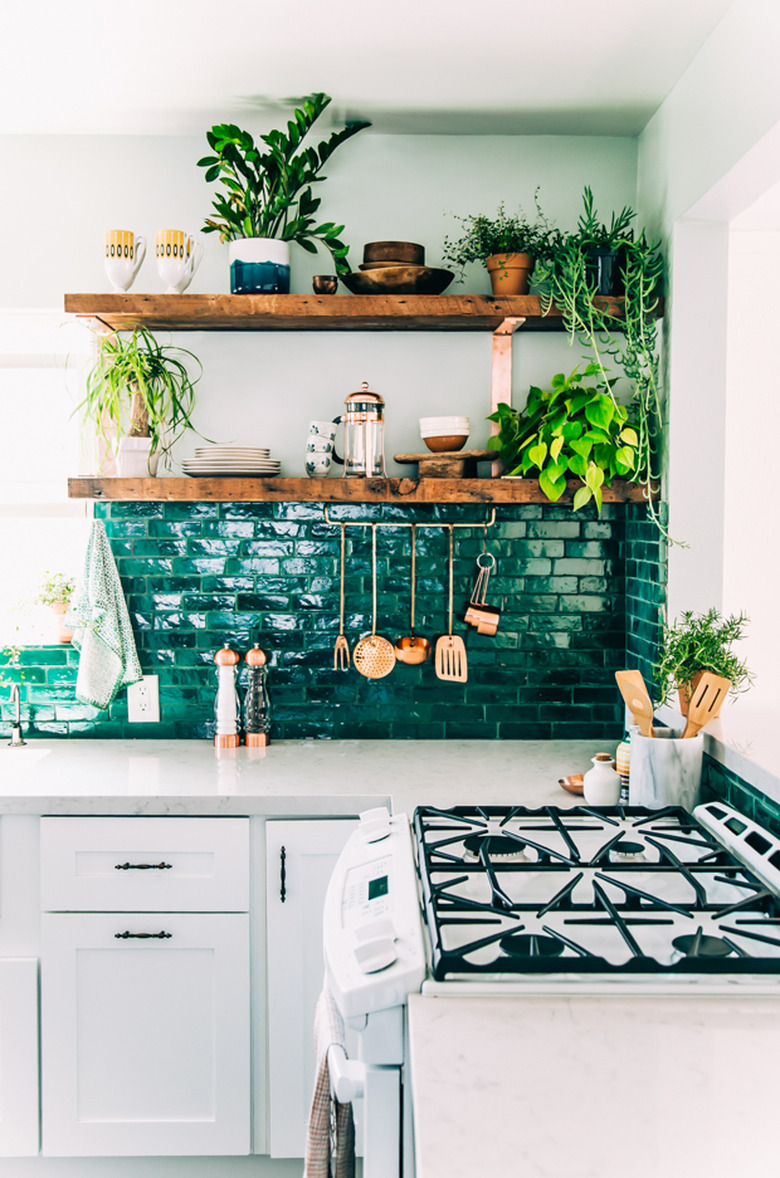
{"x":133,"y":459}
{"x":259,"y":265}
{"x":665,"y":770}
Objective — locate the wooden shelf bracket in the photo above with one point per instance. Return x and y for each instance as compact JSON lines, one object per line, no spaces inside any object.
{"x":501,"y":372}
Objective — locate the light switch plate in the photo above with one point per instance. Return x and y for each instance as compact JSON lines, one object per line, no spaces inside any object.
{"x":143,"y":701}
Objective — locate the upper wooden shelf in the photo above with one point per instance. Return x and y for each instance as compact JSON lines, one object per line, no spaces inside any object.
{"x":301,"y":312}
{"x":335,"y":490}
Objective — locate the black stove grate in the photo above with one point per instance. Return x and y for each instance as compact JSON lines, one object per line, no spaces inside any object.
{"x":587,"y":858}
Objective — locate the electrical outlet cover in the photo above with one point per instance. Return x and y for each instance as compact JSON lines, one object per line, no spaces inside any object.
{"x":143,"y":701}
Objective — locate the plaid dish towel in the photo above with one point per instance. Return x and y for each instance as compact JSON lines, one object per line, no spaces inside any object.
{"x":330,"y":1141}
{"x":108,"y":659}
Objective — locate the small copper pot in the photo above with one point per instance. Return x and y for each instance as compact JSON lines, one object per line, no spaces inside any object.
{"x":325,"y":283}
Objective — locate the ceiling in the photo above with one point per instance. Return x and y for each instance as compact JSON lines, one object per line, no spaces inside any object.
{"x":410,"y":66}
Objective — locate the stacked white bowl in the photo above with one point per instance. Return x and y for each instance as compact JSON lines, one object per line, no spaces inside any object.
{"x":444,"y":433}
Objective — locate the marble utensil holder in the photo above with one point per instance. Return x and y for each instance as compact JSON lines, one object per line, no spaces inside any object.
{"x":665,"y":770}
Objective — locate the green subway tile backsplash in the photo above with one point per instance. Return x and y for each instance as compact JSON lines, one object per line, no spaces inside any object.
{"x":580,"y":598}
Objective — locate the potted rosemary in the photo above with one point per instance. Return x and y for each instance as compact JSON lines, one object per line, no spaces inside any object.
{"x":575,"y":429}
{"x":140,"y":397}
{"x":695,"y":643}
{"x":266,"y":200}
{"x":508,"y":244}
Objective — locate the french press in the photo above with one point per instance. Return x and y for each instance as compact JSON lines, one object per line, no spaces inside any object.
{"x":364,"y":435}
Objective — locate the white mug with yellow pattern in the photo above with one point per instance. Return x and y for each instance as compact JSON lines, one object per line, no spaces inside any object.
{"x":125,"y":251}
{"x":178,"y":257}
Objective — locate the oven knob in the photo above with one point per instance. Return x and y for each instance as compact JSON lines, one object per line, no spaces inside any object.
{"x":374,"y":955}
{"x":374,"y":825}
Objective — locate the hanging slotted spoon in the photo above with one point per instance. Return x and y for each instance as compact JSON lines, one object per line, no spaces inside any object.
{"x":413,"y":649}
{"x":451,"y":662}
{"x":341,"y":650}
{"x":373,"y":656}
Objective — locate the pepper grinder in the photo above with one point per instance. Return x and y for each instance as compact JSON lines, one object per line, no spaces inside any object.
{"x":257,"y":706}
{"x":227,"y":706}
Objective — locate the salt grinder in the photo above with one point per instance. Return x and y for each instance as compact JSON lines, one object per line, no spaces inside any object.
{"x":227,"y":707}
{"x":257,"y":706}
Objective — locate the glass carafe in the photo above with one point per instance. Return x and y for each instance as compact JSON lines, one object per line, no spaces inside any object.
{"x":364,"y":435}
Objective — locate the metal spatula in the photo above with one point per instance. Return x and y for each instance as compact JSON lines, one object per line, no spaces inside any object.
{"x":632,"y":688}
{"x":450,"y":659}
{"x":709,"y":693}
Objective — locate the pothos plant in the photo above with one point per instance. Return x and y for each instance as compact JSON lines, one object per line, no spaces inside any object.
{"x":616,"y":336}
{"x":268,"y":189}
{"x":576,"y":428}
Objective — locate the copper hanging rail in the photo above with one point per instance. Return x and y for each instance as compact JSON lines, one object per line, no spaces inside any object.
{"x":359,"y":523}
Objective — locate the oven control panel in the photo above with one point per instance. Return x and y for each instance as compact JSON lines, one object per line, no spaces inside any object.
{"x":367,"y":892}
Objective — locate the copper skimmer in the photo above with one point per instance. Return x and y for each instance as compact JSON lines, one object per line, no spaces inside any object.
{"x":341,"y":651}
{"x":374,"y":656}
{"x":451,"y":662}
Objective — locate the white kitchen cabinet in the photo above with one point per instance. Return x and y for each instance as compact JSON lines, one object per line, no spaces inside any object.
{"x":300,"y":859}
{"x":18,"y":1057}
{"x":145,"y":1034}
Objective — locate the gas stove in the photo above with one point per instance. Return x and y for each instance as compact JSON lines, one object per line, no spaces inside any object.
{"x":614,"y":893}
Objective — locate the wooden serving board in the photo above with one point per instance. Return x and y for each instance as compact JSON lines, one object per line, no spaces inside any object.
{"x":447,"y":464}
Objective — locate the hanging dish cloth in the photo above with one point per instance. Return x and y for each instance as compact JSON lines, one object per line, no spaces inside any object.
{"x":108,"y":660}
{"x":330,"y":1140}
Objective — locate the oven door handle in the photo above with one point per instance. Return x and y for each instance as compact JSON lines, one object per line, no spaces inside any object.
{"x":347,"y":1076}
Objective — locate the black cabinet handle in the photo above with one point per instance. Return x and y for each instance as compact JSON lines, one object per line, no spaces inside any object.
{"x":143,"y":866}
{"x":283,"y":874}
{"x":127,"y":936}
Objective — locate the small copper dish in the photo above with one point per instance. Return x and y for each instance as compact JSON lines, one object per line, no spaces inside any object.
{"x":325,"y":283}
{"x":572,"y":783}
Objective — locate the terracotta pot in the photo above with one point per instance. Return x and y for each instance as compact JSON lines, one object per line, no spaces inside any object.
{"x":59,"y":609}
{"x":685,"y":692}
{"x":510,"y":273}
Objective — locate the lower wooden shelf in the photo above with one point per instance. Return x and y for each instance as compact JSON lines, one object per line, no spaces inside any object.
{"x":335,"y":490}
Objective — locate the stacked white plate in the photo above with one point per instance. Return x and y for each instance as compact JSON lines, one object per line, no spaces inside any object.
{"x":226,"y":461}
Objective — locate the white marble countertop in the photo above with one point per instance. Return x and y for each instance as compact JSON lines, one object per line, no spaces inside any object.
{"x":574,"y":1087}
{"x":339,"y":777}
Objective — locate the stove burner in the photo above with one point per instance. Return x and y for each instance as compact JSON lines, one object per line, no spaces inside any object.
{"x":496,"y":845}
{"x":530,"y":945}
{"x":699,"y":945}
{"x":628,"y":850}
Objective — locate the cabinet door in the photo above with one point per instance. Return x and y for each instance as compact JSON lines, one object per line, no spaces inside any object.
{"x":295,"y":968}
{"x":145,"y":1034}
{"x":18,"y":1057}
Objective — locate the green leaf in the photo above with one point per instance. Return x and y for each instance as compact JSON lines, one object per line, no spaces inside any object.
{"x":594,"y":477}
{"x":538,"y":453}
{"x":629,"y":435}
{"x":555,"y":449}
{"x":600,"y":411}
{"x":553,"y":489}
{"x":582,"y":496}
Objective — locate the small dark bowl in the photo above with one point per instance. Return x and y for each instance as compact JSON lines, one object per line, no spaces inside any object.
{"x":325,"y":283}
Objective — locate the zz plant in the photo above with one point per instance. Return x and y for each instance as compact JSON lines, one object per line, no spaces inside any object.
{"x":267,"y":188}
{"x":576,"y":428}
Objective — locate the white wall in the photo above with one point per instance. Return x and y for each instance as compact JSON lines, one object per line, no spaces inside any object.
{"x":711,"y":150}
{"x":263,"y":389}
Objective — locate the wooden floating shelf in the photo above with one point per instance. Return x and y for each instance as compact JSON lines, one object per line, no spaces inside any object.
{"x":301,"y":312}
{"x":337,"y":490}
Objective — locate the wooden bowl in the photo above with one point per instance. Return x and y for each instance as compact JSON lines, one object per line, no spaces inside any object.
{"x":448,"y":442}
{"x":398,"y":280}
{"x":572,"y":783}
{"x":394,"y":252}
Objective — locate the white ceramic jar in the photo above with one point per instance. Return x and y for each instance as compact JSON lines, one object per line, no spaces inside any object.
{"x":601,"y":784}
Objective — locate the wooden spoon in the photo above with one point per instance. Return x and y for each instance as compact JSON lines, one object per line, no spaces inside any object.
{"x":705,"y":701}
{"x":632,"y":688}
{"x":413,"y":649}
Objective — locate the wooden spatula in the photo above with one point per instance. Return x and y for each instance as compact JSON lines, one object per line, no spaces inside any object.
{"x":704,"y":702}
{"x":632,"y":688}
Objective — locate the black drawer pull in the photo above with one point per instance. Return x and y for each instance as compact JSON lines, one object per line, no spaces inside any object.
{"x":127,"y":936}
{"x":143,"y":866}
{"x":283,"y":874}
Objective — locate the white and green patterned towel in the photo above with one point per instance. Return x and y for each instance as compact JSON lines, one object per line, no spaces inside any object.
{"x":108,"y":659}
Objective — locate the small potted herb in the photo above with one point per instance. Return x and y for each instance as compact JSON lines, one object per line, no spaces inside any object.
{"x":508,"y":244}
{"x":695,"y":643}
{"x":574,"y":429}
{"x":604,"y":246}
{"x":266,"y":200}
{"x":140,"y":397}
{"x":56,"y":590}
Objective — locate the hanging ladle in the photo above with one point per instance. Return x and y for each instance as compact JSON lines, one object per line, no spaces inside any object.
{"x":413,"y":649}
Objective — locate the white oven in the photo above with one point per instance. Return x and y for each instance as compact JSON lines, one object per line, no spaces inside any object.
{"x":509,"y":901}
